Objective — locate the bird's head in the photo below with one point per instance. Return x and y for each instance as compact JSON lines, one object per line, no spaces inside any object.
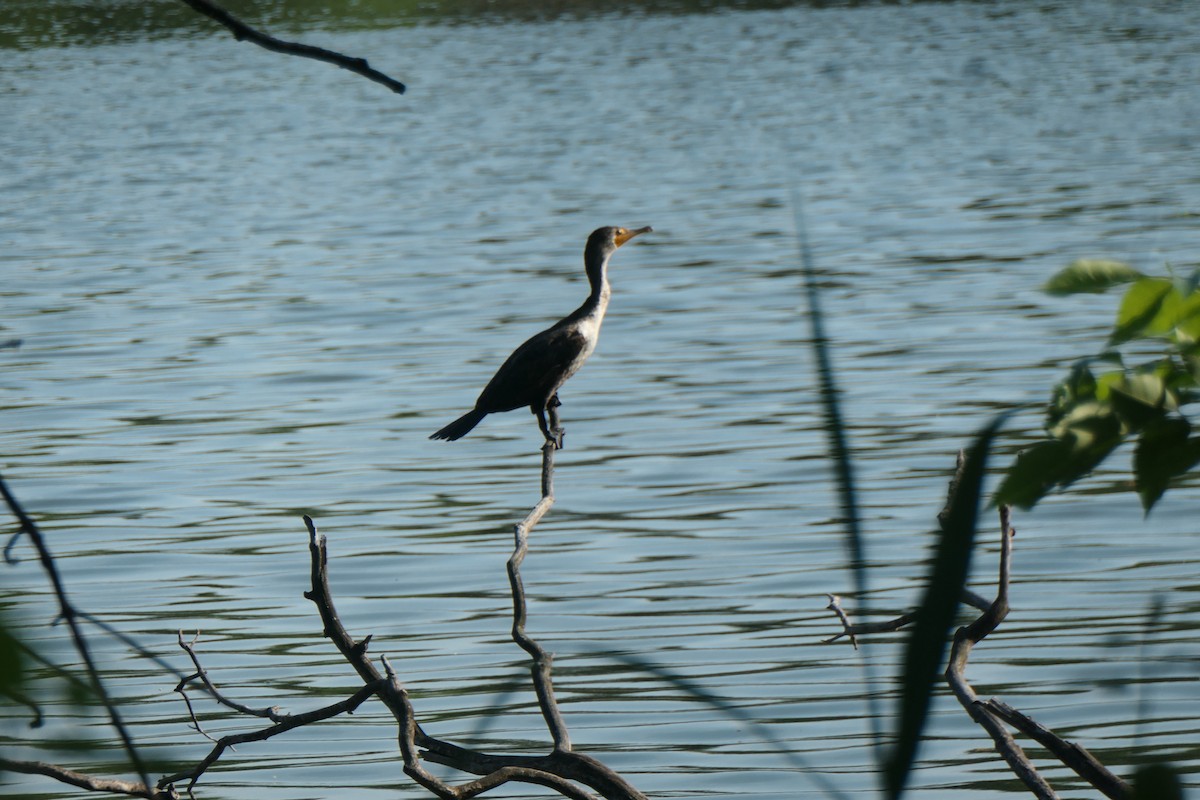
{"x":606,"y":240}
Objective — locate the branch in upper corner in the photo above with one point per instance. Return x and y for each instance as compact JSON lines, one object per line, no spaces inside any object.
{"x":244,"y":33}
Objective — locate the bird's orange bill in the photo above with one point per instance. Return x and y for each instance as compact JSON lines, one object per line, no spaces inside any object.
{"x":626,"y":234}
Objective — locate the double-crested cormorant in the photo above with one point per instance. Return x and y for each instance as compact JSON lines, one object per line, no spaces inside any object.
{"x":536,"y":370}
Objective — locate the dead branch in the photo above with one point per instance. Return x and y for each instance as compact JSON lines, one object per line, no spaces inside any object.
{"x":1071,"y":754}
{"x":562,"y":770}
{"x":414,"y":769}
{"x":201,"y":675}
{"x":835,"y":605}
{"x":88,"y":782}
{"x":990,"y":713}
{"x":542,"y":661}
{"x":559,"y":769}
{"x":964,"y":640}
{"x":853,"y":629}
{"x":244,"y":33}
{"x":291,"y":722}
{"x":969,"y":597}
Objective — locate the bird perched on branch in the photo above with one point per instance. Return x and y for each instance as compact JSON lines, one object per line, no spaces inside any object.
{"x":536,"y":370}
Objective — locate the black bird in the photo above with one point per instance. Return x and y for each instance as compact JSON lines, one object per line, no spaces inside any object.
{"x":536,"y":370}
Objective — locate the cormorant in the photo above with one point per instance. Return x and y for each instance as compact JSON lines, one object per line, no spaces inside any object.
{"x":536,"y":370}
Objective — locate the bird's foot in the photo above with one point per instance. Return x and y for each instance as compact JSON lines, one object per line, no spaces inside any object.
{"x":556,"y":436}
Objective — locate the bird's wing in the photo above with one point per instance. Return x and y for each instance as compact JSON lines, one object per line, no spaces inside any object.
{"x":534,"y":371}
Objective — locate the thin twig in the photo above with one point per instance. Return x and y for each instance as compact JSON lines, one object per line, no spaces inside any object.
{"x":244,"y":33}
{"x":835,"y":605}
{"x":201,"y":675}
{"x":67,"y":612}
{"x":283,"y":726}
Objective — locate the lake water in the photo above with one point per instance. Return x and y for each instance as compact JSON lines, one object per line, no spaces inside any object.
{"x":249,"y":286}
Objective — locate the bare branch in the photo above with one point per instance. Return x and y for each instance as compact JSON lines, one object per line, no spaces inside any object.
{"x":283,"y":726}
{"x":960,"y":651}
{"x":414,"y":769}
{"x":82,"y":781}
{"x":201,"y":675}
{"x":556,"y":770}
{"x":244,"y":33}
{"x":835,"y":605}
{"x":1073,"y":755}
{"x":542,"y":661}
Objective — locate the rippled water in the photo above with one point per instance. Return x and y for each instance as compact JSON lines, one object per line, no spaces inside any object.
{"x":248,"y":287}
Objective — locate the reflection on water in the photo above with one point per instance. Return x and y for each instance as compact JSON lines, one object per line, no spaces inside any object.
{"x":248,"y":287}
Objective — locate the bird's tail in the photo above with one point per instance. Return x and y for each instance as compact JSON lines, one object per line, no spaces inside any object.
{"x":461,"y":426}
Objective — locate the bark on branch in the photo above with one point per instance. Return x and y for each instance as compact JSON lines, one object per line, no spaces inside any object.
{"x":84,"y":781}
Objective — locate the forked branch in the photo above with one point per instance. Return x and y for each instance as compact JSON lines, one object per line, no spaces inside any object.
{"x":992,"y":715}
{"x":561,"y":769}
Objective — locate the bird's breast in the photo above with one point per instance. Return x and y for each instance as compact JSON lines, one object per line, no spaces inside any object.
{"x":588,"y":329}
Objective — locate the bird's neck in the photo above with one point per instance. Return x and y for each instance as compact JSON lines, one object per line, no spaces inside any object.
{"x":597,"y":300}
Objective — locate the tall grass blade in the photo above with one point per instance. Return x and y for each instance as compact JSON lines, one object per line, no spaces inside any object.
{"x":925,"y":648}
{"x":843,"y":467}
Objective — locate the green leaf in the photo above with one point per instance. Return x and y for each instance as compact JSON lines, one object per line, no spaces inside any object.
{"x":1091,"y":275}
{"x":1187,"y":322}
{"x":1033,"y":474}
{"x":1082,"y":440}
{"x":1086,"y":422}
{"x":926,"y":645}
{"x":1079,"y":386}
{"x":1178,"y":306}
{"x":1163,"y":452}
{"x":1138,"y":401}
{"x":1139,"y":308}
{"x":1188,"y":328}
